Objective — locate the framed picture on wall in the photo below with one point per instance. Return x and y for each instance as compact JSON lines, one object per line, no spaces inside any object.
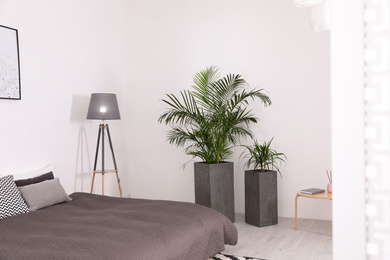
{"x":9,"y":64}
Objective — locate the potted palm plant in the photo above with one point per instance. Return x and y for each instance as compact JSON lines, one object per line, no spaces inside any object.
{"x":209,"y":121}
{"x":261,"y":196}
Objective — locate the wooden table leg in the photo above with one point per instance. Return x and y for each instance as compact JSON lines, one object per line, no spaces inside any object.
{"x":296,"y":213}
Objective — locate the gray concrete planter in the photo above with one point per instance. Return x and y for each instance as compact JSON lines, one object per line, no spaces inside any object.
{"x":214,"y":187}
{"x":261,"y":198}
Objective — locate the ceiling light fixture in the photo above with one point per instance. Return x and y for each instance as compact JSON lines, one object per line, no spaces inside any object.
{"x":319,"y":15}
{"x":305,"y":3}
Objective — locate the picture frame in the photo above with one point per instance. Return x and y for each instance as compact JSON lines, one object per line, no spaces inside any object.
{"x":10,"y":86}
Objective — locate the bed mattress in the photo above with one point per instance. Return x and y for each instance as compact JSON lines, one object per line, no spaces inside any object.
{"x":101,"y":227}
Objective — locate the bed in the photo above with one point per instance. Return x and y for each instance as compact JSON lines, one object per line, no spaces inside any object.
{"x":101,"y":227}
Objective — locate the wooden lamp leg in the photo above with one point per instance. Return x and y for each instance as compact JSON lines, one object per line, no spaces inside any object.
{"x":113,"y":159}
{"x":119,"y":185}
{"x":102,"y":183}
{"x":96,"y":156}
{"x":102,"y":128}
{"x":93,"y":180}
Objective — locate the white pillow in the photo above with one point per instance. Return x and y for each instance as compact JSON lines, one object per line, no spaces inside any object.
{"x":34,"y":173}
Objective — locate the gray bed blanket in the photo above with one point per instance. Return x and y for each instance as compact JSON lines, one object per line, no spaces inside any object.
{"x":101,"y":227}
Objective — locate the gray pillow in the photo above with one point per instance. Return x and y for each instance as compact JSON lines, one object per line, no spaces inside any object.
{"x":44,"y":194}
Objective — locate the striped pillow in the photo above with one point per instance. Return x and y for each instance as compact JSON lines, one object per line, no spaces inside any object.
{"x":11,"y":202}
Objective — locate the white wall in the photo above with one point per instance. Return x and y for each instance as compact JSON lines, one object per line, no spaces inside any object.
{"x":142,"y":50}
{"x":68,"y":49}
{"x":272,"y":45}
{"x":348,"y":147}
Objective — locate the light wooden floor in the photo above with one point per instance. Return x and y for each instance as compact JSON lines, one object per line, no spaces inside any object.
{"x":312,"y":240}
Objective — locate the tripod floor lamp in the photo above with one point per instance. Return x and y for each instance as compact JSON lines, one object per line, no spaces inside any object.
{"x":104,"y":106}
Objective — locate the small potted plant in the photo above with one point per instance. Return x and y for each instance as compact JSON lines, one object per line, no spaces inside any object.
{"x":261,"y":196}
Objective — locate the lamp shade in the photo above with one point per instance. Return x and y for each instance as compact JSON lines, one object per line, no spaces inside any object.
{"x":103,"y":106}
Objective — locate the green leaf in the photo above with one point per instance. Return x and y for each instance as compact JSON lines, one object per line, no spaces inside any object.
{"x":262,"y":157}
{"x":210,"y":120}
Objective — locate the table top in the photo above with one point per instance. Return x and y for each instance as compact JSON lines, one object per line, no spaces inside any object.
{"x":324,"y":195}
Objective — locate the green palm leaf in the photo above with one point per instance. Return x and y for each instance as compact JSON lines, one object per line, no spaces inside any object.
{"x":262,"y":157}
{"x":212,"y":118}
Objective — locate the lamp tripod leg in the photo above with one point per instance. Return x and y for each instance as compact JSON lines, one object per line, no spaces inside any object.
{"x":113,"y":159}
{"x":119,"y":185}
{"x":96,"y":157}
{"x":102,"y":183}
{"x":93,"y":180}
{"x":103,"y":126}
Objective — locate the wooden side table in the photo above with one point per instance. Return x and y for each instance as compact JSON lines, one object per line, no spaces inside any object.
{"x":323,"y":196}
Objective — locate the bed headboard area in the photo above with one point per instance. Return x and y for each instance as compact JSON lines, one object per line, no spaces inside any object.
{"x":30,"y":173}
